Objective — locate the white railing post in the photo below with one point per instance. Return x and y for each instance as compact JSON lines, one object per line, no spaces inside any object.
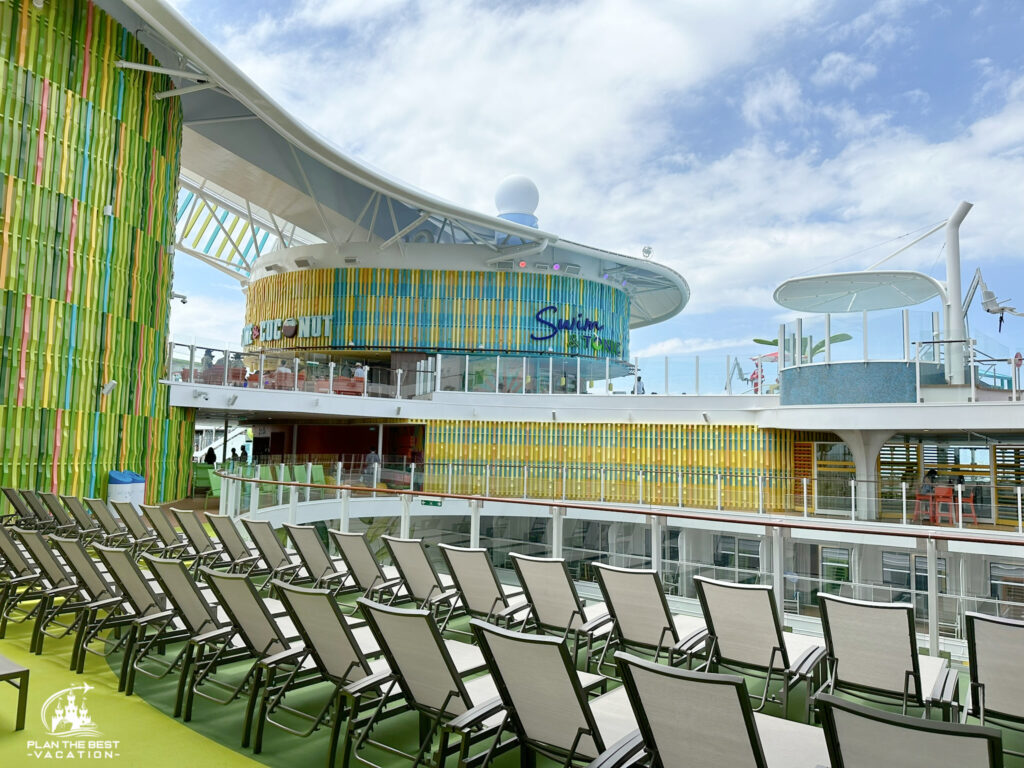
{"x":330,"y":377}
{"x":959,"y":505}
{"x":412,"y":476}
{"x":718,"y":490}
{"x":295,"y":378}
{"x":917,"y":370}
{"x":853,"y":499}
{"x":405,"y":524}
{"x":487,"y":480}
{"x":525,"y":473}
{"x":557,"y":515}
{"x":804,"y":483}
{"x":524,"y":376}
{"x":565,"y":473}
{"x":338,"y":469}
{"x":656,"y":543}
{"x":449,"y":477}
{"x":760,"y":494}
{"x":437,"y":374}
{"x":579,"y":373}
{"x":309,"y":477}
{"x":679,"y":484}
{"x":263,"y":362}
{"x":224,"y":503}
{"x":778,"y":570}
{"x":474,"y":523}
{"x":1020,"y":517}
{"x":903,"y":497}
{"x":254,"y":498}
{"x":640,"y":487}
{"x":974,"y":383}
{"x":465,"y":382}
{"x":497,"y":374}
{"x":602,"y":484}
{"x":280,"y":488}
{"x":376,"y":477}
{"x":293,"y":503}
{"x":933,"y":598}
{"x":398,"y":386}
{"x":346,"y":497}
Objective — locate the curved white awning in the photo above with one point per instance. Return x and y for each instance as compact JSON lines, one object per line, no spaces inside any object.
{"x":858,"y":291}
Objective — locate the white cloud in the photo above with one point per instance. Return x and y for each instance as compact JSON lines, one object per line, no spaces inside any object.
{"x":838,"y":68}
{"x":209,"y":320}
{"x":772,"y":97}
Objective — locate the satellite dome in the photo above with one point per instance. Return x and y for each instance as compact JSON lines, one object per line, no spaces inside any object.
{"x":516,"y":194}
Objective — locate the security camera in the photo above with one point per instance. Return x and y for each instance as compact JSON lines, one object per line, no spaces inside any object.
{"x":179,"y":296}
{"x":107,"y":388}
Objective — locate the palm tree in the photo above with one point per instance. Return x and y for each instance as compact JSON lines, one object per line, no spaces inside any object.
{"x":809,"y":351}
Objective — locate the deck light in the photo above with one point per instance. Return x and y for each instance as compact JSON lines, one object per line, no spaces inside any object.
{"x":522,"y":265}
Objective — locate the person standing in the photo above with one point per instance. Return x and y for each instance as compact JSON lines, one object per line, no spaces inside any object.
{"x":638,"y":387}
{"x":244,"y":456}
{"x":211,"y":456}
{"x":360,"y":374}
{"x":370,"y":467}
{"x":234,"y":454}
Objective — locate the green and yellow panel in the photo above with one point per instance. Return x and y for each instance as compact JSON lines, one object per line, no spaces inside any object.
{"x":89,"y":165}
{"x":443,"y":310}
{"x":672,"y":457}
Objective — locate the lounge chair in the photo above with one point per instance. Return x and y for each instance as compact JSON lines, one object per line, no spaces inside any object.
{"x":481,"y":593}
{"x":88,"y":527}
{"x":745,"y":634}
{"x":555,"y":605}
{"x":692,"y":719}
{"x":323,"y":569}
{"x":864,"y":737}
{"x":21,"y":582}
{"x":205,"y":550}
{"x":994,"y":648}
{"x":114,"y":532}
{"x":25,"y":516}
{"x":67,"y":525}
{"x":172,"y":543}
{"x":642,"y":620}
{"x":546,"y":698}
{"x":243,"y":559}
{"x":872,"y":654}
{"x":283,"y":565}
{"x":428,"y":588}
{"x":58,"y":592}
{"x":338,"y":655}
{"x":377,"y":582}
{"x":432,"y":675}
{"x":144,"y":539}
{"x":58,"y":521}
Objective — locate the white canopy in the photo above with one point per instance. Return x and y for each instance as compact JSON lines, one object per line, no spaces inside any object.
{"x":858,"y":291}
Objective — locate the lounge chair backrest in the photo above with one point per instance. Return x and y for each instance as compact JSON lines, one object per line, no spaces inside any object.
{"x":995,"y":647}
{"x":744,"y":621}
{"x":325,"y":631}
{"x":129,"y":515}
{"x":311,"y":550}
{"x":14,"y":560}
{"x":410,"y":557}
{"x":473,"y":574}
{"x":58,"y":510}
{"x":53,"y":570}
{"x":181,"y":589}
{"x":550,"y":591}
{"x":248,"y":613}
{"x":80,"y":513}
{"x":862,"y":737}
{"x":18,"y":504}
{"x":39,"y":509}
{"x":229,"y":536}
{"x":89,"y":576}
{"x":636,"y":601}
{"x":133,"y":585}
{"x":194,"y":531}
{"x":536,"y":678}
{"x":692,"y":718}
{"x":361,"y":563}
{"x":103,"y":516}
{"x":266,"y":541}
{"x":414,"y":649}
{"x":158,"y":522}
{"x":874,"y":644}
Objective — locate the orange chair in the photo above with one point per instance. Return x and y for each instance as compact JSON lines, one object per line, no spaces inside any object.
{"x":968,"y":506}
{"x":944,"y":498}
{"x":923,"y":508}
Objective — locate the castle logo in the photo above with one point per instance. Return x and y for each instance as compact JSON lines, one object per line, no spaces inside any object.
{"x":71,"y":729}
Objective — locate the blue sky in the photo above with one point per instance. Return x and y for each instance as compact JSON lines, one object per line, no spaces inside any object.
{"x":745,"y":142}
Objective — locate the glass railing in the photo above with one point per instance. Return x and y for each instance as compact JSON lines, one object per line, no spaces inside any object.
{"x":802,"y":557}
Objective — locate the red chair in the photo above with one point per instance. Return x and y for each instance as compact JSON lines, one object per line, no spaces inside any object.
{"x":944,"y":498}
{"x":968,"y":506}
{"x":923,"y":507}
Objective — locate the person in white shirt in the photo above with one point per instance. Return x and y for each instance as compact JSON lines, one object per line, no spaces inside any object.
{"x":638,"y":388}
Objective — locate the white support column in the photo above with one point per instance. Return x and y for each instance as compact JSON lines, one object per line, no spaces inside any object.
{"x":412,"y":476}
{"x":955,"y":326}
{"x":933,"y":597}
{"x":640,"y":487}
{"x":293,"y":503}
{"x":254,"y":498}
{"x":565,"y":473}
{"x":449,"y":477}
{"x":280,"y":488}
{"x":474,"y":522}
{"x":602,"y":483}
{"x":346,"y":498}
{"x":376,"y":477}
{"x":525,"y":473}
{"x":487,"y":480}
{"x":330,"y":377}
{"x":437,"y":374}
{"x":778,"y":569}
{"x":679,"y":484}
{"x":557,"y":519}
{"x":865,"y":444}
{"x":309,"y":477}
{"x":222,"y":502}
{"x":657,"y":529}
{"x":338,"y":469}
{"x":405,"y":524}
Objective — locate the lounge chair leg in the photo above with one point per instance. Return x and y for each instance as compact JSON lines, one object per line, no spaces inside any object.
{"x":250,"y":707}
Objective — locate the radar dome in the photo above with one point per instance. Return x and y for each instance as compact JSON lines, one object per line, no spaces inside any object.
{"x":516,"y":194}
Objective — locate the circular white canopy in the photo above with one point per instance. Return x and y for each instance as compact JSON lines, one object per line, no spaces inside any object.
{"x":858,"y":291}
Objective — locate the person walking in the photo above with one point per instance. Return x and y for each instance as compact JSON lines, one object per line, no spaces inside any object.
{"x":211,"y":456}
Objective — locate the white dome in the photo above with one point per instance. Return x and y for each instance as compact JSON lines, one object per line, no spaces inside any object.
{"x":516,"y":194}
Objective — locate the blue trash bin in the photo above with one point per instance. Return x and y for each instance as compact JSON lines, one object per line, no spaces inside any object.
{"x":119,"y":486}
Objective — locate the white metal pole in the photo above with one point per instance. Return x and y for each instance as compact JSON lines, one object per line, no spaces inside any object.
{"x":853,"y":499}
{"x":309,"y":477}
{"x":346,"y":497}
{"x":933,"y":598}
{"x":293,"y":503}
{"x":679,"y":484}
{"x":474,"y":523}
{"x":405,"y":524}
{"x":254,"y":498}
{"x":437,"y":374}
{"x":338,"y":478}
{"x":760,"y":494}
{"x":412,"y":476}
{"x":955,"y":327}
{"x":903,"y":496}
{"x":449,"y":477}
{"x":718,"y":488}
{"x":804,"y":483}
{"x":557,"y":515}
{"x":1020,"y":517}
{"x":640,"y":487}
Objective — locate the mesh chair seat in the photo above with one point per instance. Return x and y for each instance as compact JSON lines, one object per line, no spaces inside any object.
{"x":614,"y":717}
{"x":787,"y":744}
{"x":798,"y":646}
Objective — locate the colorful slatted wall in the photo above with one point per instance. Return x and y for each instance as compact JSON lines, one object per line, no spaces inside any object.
{"x":677,"y":461}
{"x":440,"y":310}
{"x":83,"y":294}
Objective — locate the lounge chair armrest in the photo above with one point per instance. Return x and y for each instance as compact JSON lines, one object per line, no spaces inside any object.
{"x":335,"y":575}
{"x":626,"y":751}
{"x":369,"y":682}
{"x":512,"y":610}
{"x":153,"y":617}
{"x":66,"y":590}
{"x":246,"y":560}
{"x":223,"y":633}
{"x":477,"y":714}
{"x":296,"y":654}
{"x":691,"y":642}
{"x":443,"y":597}
{"x":806,"y":663}
{"x":947,"y":688}
{"x":18,"y":580}
{"x":106,"y":602}
{"x":595,"y":624}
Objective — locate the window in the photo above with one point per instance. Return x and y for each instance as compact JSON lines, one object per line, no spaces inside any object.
{"x":737,"y":559}
{"x":835,"y":569}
